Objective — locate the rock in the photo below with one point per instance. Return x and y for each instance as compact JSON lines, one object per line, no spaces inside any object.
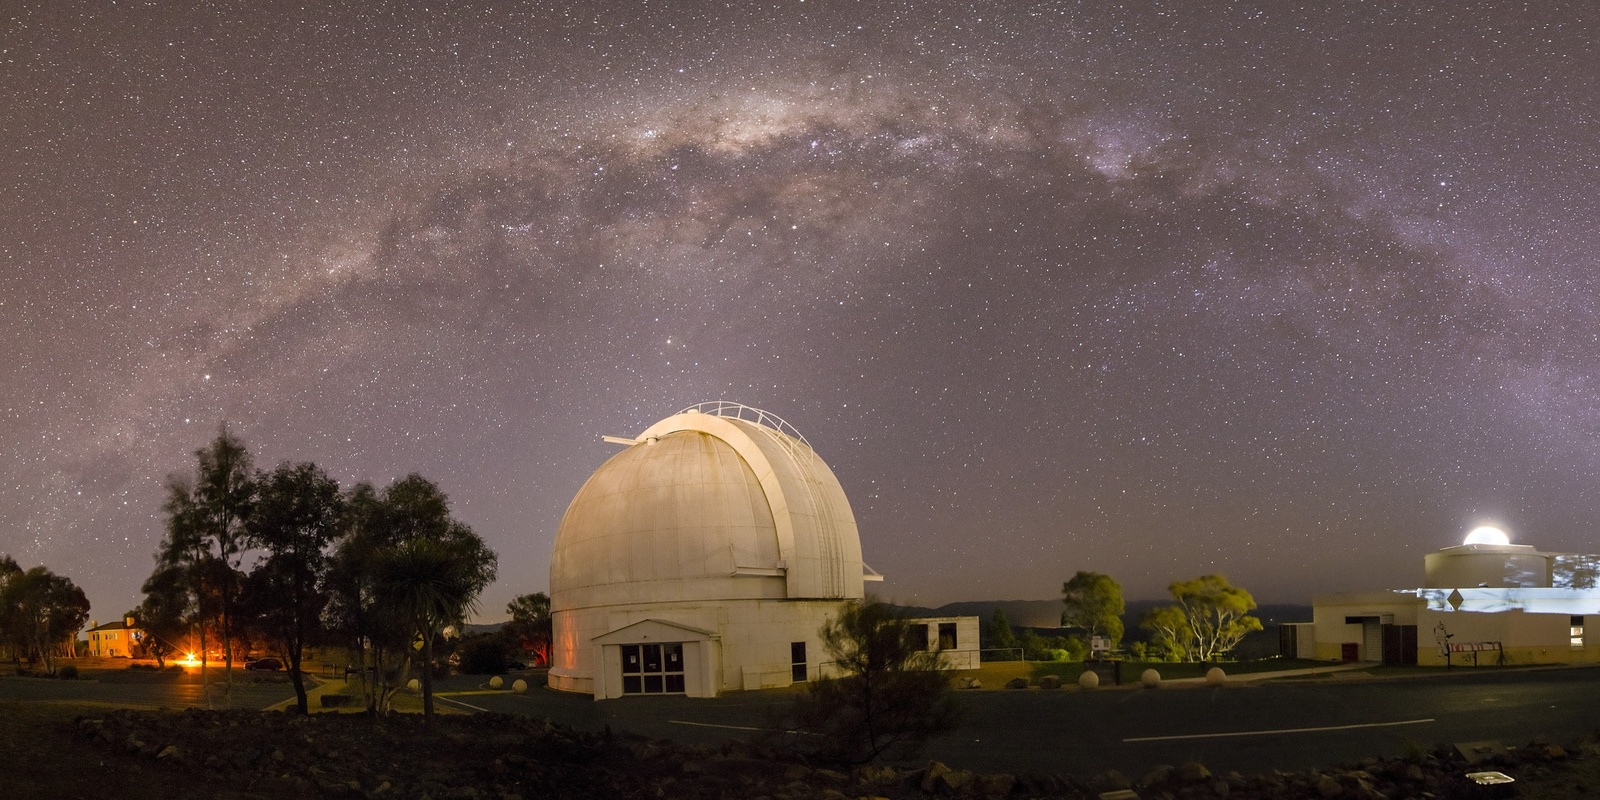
{"x":1220,"y":788}
{"x":170,"y":753}
{"x":413,"y":684}
{"x":1050,"y":682}
{"x":795,"y":789}
{"x":832,"y":794}
{"x":1017,"y":683}
{"x":956,"y":780}
{"x":1327,"y":786}
{"x":1554,"y":751}
{"x":997,"y":785}
{"x":973,"y":683}
{"x":796,"y":772}
{"x":519,"y":686}
{"x":832,"y":776}
{"x":931,"y":776}
{"x":1157,"y":774}
{"x":1150,"y":678}
{"x":1216,"y":677}
{"x":872,"y":774}
{"x":1192,"y":772}
{"x":496,"y":682}
{"x":1088,"y":680}
{"x":1110,"y":781}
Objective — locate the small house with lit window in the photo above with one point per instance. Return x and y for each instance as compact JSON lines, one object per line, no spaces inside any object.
{"x":114,"y":639}
{"x":705,"y":557}
{"x":1483,"y":602}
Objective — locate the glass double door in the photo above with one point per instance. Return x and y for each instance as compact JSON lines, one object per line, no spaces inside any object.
{"x":652,"y":668}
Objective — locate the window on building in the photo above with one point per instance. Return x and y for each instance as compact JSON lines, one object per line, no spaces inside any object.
{"x":919,"y":637}
{"x":1577,"y":632}
{"x":947,"y":636}
{"x":797,"y":662}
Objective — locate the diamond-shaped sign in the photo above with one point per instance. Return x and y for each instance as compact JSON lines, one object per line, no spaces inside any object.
{"x":1455,"y":599}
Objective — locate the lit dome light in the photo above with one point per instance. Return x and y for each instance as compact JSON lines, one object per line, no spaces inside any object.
{"x":1487,"y":535}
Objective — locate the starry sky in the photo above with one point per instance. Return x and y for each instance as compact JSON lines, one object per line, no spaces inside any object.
{"x":1295,"y":292}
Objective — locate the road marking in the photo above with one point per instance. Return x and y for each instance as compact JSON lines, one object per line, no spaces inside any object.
{"x":739,"y":727}
{"x":1274,"y":732}
{"x":459,"y":703}
{"x":711,"y":725}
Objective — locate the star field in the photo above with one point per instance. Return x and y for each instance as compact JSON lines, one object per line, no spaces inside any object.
{"x":1296,"y":293}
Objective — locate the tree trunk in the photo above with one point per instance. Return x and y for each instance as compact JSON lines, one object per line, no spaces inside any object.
{"x":427,"y":680}
{"x":297,"y":679}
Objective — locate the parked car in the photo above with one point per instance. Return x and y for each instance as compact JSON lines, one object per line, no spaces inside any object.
{"x":269,"y":664}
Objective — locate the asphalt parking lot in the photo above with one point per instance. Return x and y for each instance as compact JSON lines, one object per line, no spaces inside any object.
{"x":1287,"y":724}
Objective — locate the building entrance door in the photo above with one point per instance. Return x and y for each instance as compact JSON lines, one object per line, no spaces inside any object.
{"x":652,"y":668}
{"x":1399,"y":644}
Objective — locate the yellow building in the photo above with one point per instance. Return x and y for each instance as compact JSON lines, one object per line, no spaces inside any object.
{"x":114,"y":639}
{"x":1483,"y":602}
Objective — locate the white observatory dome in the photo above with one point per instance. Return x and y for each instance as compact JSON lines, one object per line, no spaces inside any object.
{"x":719,"y":520}
{"x":1487,"y":535}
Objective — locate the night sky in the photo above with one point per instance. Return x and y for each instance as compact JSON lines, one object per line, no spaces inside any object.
{"x":1298,"y":294}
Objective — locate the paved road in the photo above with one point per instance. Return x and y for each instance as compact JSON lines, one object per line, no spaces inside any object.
{"x":1279,"y":725}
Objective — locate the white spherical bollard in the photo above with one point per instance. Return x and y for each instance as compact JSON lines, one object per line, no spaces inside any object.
{"x":496,"y":682}
{"x":1216,"y":677}
{"x":413,"y":684}
{"x":1088,"y":679}
{"x":519,"y":686}
{"x":1150,"y":678}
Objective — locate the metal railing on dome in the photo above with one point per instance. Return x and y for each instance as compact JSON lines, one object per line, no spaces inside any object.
{"x":766,"y":419}
{"x":829,"y":538}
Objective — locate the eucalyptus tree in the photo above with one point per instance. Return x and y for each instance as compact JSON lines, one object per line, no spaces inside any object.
{"x":167,"y":611}
{"x":403,"y":572}
{"x":206,"y":537}
{"x":40,"y":613}
{"x":298,"y":512}
{"x":1217,"y":612}
{"x":1093,"y":603}
{"x":531,"y":625}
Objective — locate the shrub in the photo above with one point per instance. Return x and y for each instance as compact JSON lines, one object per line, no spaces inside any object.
{"x":67,"y":673}
{"x":483,"y":656}
{"x":889,"y":698}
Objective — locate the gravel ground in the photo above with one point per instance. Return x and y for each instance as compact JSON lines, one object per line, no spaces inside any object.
{"x":78,"y":750}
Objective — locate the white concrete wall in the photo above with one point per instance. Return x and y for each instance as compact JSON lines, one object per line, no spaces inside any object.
{"x":1328,"y":614}
{"x":753,"y":639}
{"x":1492,"y":567}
